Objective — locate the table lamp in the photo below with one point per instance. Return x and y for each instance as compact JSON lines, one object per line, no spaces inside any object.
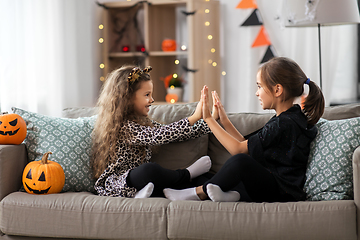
{"x":305,"y":13}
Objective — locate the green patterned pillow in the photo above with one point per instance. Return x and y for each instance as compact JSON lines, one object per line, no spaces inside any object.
{"x":330,"y":173}
{"x":70,"y":142}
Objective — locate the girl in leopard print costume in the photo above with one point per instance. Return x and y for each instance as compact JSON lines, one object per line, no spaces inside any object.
{"x":123,"y":138}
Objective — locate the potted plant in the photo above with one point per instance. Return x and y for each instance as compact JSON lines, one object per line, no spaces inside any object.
{"x":174,"y":86}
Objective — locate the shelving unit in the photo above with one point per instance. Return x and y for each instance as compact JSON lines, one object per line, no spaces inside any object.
{"x":148,"y":23}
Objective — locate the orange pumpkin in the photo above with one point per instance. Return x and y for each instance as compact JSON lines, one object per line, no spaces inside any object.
{"x":43,"y":177}
{"x":171,"y":98}
{"x":168,"y":45}
{"x":12,"y":129}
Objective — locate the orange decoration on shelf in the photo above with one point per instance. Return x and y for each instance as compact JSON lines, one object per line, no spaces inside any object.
{"x":167,"y":80}
{"x":171,"y":98}
{"x":168,"y":45}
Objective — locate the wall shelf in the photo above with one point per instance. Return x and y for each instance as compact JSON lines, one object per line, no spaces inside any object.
{"x":148,"y":23}
{"x":126,"y":54}
{"x":162,"y":53}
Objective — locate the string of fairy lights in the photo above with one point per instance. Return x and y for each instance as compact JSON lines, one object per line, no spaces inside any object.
{"x":183,"y":47}
{"x":101,"y":40}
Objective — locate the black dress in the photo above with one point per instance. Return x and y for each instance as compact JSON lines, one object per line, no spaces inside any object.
{"x":282,"y":146}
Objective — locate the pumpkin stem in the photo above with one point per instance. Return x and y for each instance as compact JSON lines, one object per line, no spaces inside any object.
{"x":3,"y":113}
{"x":44,"y":159}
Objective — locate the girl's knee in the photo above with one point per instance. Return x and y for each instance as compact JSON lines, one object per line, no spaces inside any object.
{"x":150,"y":168}
{"x":240,"y":160}
{"x":142,"y":175}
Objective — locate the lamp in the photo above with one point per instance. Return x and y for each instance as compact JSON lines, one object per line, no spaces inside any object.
{"x":305,"y":13}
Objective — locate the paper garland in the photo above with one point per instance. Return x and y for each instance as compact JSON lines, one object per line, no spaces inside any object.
{"x":262,"y":39}
{"x":255,"y":19}
{"x":247,"y":4}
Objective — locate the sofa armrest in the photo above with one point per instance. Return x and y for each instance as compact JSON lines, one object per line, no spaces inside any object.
{"x":356,"y":180}
{"x":13,"y":159}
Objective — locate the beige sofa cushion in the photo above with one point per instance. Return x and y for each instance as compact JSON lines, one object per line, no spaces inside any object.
{"x":300,"y":220}
{"x":247,"y":123}
{"x":173,"y":155}
{"x":182,"y":154}
{"x":187,"y":152}
{"x":83,"y":215}
{"x":342,"y":111}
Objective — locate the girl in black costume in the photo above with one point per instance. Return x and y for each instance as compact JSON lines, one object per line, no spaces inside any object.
{"x":270,"y":164}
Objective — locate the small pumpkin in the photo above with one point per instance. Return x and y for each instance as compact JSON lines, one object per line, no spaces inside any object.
{"x":168,"y":45}
{"x":12,"y":128}
{"x":43,"y":177}
{"x":171,"y":98}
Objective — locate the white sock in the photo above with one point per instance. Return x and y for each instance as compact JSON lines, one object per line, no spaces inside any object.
{"x":183,"y":194}
{"x":217,"y":195}
{"x":201,"y":166}
{"x":146,"y":191}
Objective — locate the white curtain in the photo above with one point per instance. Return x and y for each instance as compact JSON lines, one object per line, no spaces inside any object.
{"x":48,"y":56}
{"x":240,"y":61}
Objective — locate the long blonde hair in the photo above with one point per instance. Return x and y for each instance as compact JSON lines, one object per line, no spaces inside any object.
{"x":115,"y":106}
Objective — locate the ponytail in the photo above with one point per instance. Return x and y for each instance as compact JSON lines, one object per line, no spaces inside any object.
{"x":314,"y":103}
{"x":284,"y":71}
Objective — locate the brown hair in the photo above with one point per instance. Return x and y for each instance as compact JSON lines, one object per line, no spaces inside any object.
{"x":284,"y":71}
{"x":115,"y":107}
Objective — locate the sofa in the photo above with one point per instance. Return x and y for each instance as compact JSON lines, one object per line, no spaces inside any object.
{"x":331,"y":210}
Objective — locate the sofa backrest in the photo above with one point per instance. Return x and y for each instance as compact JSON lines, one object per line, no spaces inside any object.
{"x":176,"y":155}
{"x":180,"y":155}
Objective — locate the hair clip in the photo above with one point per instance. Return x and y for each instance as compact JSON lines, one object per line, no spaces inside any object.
{"x":147,"y":69}
{"x":136,"y":72}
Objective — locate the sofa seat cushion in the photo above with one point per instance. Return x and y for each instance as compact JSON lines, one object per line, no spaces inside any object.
{"x":83,"y":215}
{"x":300,"y":220}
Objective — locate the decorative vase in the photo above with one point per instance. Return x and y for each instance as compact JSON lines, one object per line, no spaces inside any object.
{"x":177,"y":91}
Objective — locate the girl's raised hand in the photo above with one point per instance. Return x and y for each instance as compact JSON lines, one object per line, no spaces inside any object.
{"x":215,"y":111}
{"x":198,"y":110}
{"x":197,"y":115}
{"x":220,"y":108}
{"x":205,"y":99}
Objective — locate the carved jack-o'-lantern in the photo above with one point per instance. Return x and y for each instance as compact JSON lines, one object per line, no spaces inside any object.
{"x":12,"y":129}
{"x":168,"y":45}
{"x":43,"y":177}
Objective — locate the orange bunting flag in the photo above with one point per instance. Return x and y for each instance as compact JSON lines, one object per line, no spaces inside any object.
{"x":262,"y":38}
{"x":247,"y":4}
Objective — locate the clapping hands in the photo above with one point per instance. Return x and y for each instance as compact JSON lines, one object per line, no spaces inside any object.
{"x":203,"y":106}
{"x":225,"y":132}
{"x":218,"y":111}
{"x":206,"y":114}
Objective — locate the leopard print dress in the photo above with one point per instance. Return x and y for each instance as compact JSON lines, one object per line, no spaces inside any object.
{"x":112,"y":182}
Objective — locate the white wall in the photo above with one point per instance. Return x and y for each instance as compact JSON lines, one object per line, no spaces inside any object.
{"x":240,"y":61}
{"x":69,"y":72}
